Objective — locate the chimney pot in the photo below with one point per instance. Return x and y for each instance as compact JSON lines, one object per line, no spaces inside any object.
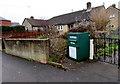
{"x":114,"y":6}
{"x":88,"y":5}
{"x":32,"y":17}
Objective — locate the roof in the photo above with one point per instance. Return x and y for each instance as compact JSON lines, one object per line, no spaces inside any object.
{"x":36,"y":22}
{"x":113,"y":7}
{"x":72,"y":17}
{"x":1,"y":18}
{"x":15,"y":23}
{"x":64,"y":19}
{"x":69,"y":18}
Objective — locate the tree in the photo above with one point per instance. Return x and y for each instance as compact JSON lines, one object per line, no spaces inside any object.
{"x":100,"y":18}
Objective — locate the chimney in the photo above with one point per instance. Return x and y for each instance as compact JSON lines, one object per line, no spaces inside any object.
{"x":88,"y":5}
{"x":32,"y":17}
{"x":114,"y":6}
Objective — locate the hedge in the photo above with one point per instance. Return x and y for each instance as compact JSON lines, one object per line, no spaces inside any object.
{"x":4,"y":28}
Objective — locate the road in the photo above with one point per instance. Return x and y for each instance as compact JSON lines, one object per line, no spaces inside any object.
{"x":15,"y":69}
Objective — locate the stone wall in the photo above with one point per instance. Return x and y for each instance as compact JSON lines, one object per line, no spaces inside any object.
{"x":32,"y":49}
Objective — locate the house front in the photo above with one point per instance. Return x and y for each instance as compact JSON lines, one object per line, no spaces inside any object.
{"x":113,"y":14}
{"x":67,"y":21}
{"x":32,"y":24}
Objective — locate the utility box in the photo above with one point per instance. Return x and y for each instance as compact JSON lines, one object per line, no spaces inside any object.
{"x":79,"y":46}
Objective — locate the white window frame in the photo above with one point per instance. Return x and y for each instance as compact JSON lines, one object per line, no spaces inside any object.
{"x":26,"y":28}
{"x":60,"y":28}
{"x":112,"y":16}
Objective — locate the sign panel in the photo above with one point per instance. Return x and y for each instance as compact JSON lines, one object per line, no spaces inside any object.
{"x":72,"y":52}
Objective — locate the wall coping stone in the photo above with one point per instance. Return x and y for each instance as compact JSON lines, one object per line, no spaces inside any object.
{"x":28,"y":39}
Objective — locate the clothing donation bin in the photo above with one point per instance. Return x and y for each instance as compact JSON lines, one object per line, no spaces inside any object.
{"x":78,"y":45}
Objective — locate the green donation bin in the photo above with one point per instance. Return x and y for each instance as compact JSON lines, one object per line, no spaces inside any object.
{"x":78,"y":45}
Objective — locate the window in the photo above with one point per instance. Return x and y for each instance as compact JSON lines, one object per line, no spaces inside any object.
{"x":111,"y":26}
{"x":70,"y":26}
{"x":112,"y":16}
{"x":60,"y":28}
{"x":26,"y":28}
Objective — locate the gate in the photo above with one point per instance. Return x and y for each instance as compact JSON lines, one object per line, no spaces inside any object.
{"x":107,"y":50}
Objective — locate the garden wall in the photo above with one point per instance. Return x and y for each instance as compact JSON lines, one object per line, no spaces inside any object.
{"x":32,"y":49}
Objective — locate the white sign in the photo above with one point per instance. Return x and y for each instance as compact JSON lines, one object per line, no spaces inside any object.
{"x":73,"y":37}
{"x":72,"y":52}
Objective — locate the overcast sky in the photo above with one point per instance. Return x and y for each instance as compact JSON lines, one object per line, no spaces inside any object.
{"x":17,"y":10}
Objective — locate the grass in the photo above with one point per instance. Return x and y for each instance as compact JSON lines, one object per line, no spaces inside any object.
{"x":115,"y":36}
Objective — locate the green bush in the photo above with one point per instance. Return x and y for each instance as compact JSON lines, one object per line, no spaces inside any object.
{"x":58,"y":46}
{"x":115,"y":36}
{"x":58,"y":49}
{"x":12,"y":28}
{"x":42,"y":37}
{"x":107,"y":50}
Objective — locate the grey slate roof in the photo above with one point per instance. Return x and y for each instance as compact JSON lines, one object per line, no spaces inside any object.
{"x":37,"y":22}
{"x":15,"y":23}
{"x":72,"y":17}
{"x":69,"y":18}
{"x":65,"y":18}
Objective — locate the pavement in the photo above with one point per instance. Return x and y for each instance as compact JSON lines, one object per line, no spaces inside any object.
{"x":15,"y":69}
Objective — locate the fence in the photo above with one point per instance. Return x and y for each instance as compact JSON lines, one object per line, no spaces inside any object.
{"x":107,"y":50}
{"x":21,"y":34}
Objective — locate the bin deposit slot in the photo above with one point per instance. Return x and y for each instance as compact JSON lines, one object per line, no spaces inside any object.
{"x":74,"y":37}
{"x":72,"y":42}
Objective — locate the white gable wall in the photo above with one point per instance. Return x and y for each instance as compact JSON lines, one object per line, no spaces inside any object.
{"x":27,"y":25}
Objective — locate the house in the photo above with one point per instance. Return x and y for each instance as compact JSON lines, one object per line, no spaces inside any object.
{"x":63,"y":22}
{"x":15,"y":23}
{"x":67,"y":21}
{"x":113,"y":14}
{"x":32,"y":24}
{"x":4,"y":21}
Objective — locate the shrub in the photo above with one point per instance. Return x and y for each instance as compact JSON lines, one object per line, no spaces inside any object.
{"x":42,"y":37}
{"x":12,"y":28}
{"x":108,"y":50}
{"x":84,"y":26}
{"x":58,"y":48}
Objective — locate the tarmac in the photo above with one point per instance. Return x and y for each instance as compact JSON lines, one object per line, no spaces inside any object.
{"x":15,"y":69}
